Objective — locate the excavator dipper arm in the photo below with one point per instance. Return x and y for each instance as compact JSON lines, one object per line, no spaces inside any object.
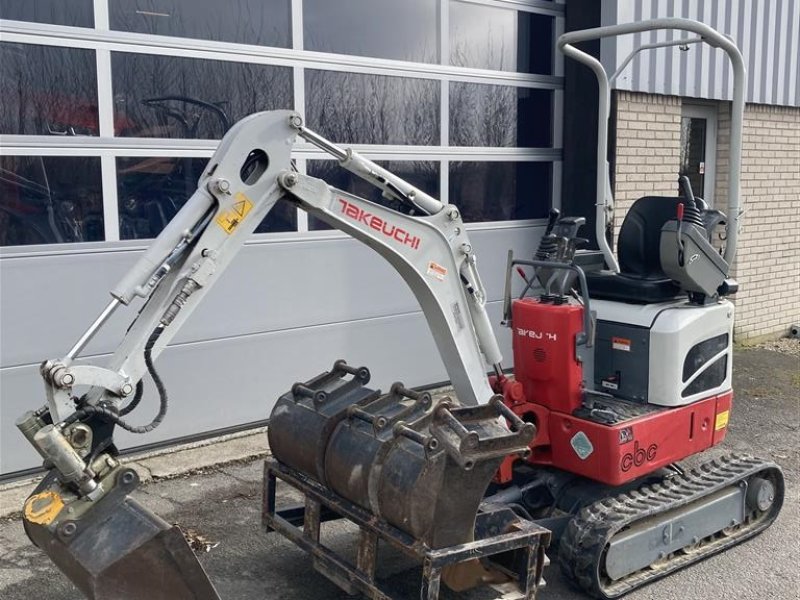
{"x":82,"y":514}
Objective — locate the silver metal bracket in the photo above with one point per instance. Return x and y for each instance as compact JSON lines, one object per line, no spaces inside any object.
{"x":60,"y":378}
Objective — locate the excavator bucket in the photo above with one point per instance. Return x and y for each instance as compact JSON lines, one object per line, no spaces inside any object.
{"x":114,"y":548}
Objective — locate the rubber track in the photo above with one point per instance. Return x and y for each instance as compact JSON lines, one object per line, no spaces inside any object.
{"x":583,"y":545}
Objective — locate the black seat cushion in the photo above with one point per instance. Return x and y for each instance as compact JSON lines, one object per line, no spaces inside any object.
{"x":640,"y":235}
{"x":641,"y":279}
{"x":607,"y":285}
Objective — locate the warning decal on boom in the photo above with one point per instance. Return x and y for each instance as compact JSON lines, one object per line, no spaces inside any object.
{"x":230,"y":219}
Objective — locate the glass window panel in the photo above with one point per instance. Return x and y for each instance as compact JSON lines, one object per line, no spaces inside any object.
{"x":76,"y":13}
{"x":352,"y":108}
{"x":693,"y":153}
{"x":151,"y":190}
{"x":500,"y":39}
{"x":407,"y":30}
{"x":501,"y":191}
{"x":261,"y":22}
{"x":173,"y":97}
{"x":47,"y":90}
{"x":50,"y":200}
{"x":422,"y":174}
{"x":499,"y":115}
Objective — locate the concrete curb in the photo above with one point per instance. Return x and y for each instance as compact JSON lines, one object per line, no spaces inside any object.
{"x":163,"y":463}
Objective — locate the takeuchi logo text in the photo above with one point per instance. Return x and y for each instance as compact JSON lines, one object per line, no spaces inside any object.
{"x":356,"y":213}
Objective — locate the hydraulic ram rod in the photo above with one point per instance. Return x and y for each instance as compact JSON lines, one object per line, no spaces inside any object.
{"x":391,"y":184}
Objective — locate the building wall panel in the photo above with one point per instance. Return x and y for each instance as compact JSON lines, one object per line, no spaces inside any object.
{"x":283,"y":313}
{"x":296,"y":298}
{"x":767,"y":266}
{"x":767,"y":33}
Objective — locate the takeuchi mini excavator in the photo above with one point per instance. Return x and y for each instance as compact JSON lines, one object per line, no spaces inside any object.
{"x":622,"y":368}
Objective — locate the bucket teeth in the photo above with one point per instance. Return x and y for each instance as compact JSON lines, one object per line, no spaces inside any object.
{"x":422,"y":465}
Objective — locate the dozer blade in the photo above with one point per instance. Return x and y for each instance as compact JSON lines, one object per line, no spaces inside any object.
{"x":114,"y":548}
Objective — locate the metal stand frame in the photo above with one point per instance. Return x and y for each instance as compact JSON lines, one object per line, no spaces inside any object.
{"x":497,"y":531}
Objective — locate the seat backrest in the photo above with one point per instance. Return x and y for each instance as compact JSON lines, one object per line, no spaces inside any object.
{"x":639,"y":237}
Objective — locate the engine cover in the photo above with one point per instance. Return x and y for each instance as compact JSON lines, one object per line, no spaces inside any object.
{"x":668,"y":354}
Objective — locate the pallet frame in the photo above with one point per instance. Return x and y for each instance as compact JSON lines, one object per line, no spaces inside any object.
{"x":497,"y":531}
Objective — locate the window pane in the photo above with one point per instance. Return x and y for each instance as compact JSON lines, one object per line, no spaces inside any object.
{"x":351,"y":108}
{"x":151,"y":190}
{"x":47,"y":90}
{"x":485,"y":37}
{"x":422,"y":174}
{"x":50,"y":199}
{"x":499,"y":115}
{"x":501,"y":191}
{"x":407,"y":30}
{"x":76,"y":13}
{"x":172,"y":97}
{"x":693,"y":153}
{"x":261,"y":22}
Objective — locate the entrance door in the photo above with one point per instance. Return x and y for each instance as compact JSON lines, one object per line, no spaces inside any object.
{"x":699,"y":148}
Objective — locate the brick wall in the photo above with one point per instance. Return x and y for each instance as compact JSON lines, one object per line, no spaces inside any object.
{"x":768,"y":261}
{"x":768,"y":254}
{"x":648,"y":149}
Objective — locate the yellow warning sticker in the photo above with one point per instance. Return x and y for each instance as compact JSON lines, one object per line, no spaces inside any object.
{"x":722,"y":420}
{"x":230,"y":219}
{"x":43,"y":508}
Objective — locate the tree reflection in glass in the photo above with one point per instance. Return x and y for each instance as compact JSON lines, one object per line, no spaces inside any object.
{"x":47,"y":90}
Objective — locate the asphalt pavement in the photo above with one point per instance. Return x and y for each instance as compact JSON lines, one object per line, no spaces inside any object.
{"x":221,"y":507}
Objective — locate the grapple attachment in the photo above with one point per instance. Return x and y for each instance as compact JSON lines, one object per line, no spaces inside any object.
{"x":113,"y":548}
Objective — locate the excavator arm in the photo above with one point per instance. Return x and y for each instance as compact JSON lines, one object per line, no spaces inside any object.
{"x":86,"y":493}
{"x":250,"y":171}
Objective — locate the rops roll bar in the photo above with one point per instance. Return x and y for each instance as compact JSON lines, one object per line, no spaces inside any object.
{"x":605,"y":200}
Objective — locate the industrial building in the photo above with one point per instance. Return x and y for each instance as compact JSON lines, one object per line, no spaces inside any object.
{"x":110,"y":108}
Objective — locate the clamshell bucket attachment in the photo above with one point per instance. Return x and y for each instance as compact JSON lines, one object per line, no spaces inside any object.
{"x":114,"y":548}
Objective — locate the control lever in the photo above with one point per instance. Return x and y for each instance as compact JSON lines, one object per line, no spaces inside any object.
{"x":686,"y":189}
{"x":694,"y":206}
{"x":552,"y":218}
{"x":558,"y":246}
{"x":679,"y":229}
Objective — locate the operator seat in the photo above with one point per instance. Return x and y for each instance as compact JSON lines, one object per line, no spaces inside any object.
{"x":641,"y":279}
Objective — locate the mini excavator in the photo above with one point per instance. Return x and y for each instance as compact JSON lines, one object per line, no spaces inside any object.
{"x":622,"y":368}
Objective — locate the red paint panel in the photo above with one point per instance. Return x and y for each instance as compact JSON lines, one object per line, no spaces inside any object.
{"x":632,"y":449}
{"x":623,"y":452}
{"x":544,"y":352}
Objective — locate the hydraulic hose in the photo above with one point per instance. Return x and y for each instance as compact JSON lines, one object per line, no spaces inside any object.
{"x":137,"y":397}
{"x":115,"y":418}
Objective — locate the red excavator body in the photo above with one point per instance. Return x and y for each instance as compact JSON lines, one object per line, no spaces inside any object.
{"x":548,"y":390}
